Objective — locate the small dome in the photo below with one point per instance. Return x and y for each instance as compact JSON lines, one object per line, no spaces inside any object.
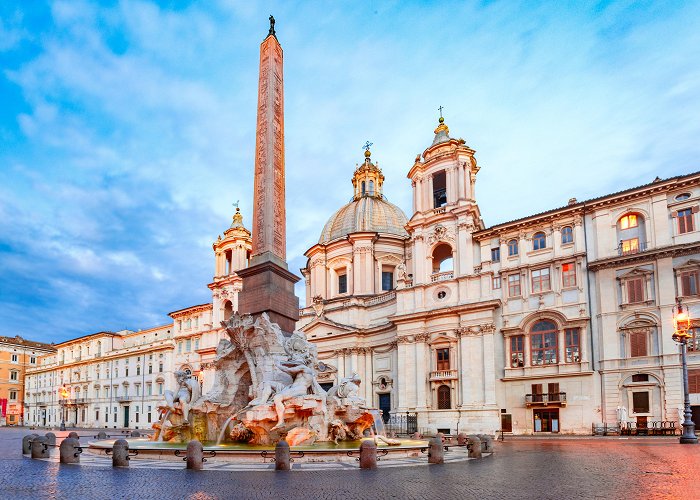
{"x":367,"y":213}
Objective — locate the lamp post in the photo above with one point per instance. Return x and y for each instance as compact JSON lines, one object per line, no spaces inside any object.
{"x":681,"y":327}
{"x":62,"y":394}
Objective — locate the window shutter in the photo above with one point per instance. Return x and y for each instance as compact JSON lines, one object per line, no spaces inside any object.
{"x":694,"y":381}
{"x":553,"y":388}
{"x":685,"y":284}
{"x":638,"y":344}
{"x":537,"y":388}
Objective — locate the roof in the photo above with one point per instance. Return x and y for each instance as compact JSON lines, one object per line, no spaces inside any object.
{"x":191,"y":308}
{"x":365,"y":214}
{"x":19,"y":341}
{"x":579,"y":205}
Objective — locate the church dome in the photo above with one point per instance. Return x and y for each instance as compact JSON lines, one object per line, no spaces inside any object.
{"x":368,"y":211}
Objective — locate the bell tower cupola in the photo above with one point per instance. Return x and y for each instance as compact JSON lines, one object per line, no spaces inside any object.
{"x":368,"y":178}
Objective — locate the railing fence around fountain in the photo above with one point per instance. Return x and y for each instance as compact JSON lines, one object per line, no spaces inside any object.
{"x":402,"y":424}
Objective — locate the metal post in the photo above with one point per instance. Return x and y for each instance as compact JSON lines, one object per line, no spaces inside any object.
{"x":688,"y":436}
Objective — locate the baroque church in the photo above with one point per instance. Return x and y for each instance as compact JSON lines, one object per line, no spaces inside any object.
{"x":550,"y":323}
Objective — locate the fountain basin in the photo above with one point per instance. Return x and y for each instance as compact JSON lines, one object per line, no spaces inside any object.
{"x":344,"y":451}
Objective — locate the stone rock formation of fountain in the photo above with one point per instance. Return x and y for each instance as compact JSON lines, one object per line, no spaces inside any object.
{"x":265,"y":390}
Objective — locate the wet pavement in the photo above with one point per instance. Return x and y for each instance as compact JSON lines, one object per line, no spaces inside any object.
{"x":557,"y":467}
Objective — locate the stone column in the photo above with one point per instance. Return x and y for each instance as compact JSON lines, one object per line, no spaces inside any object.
{"x":402,"y":378}
{"x":430,"y":201}
{"x":422,"y":371}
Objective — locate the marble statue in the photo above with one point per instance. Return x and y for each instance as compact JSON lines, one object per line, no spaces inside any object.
{"x":265,"y":389}
{"x":681,"y":415}
{"x":622,"y":414}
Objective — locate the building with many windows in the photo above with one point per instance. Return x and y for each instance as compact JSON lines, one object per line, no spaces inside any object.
{"x":17,"y":355}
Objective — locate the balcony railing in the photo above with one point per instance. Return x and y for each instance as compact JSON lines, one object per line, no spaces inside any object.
{"x":553,"y":398}
{"x":124,"y":399}
{"x":627,"y":248}
{"x":443,"y":375}
{"x":447,"y":275}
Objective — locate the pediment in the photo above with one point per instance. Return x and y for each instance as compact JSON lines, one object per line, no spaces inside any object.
{"x":634,"y":273}
{"x":691,"y":264}
{"x":322,"y":326}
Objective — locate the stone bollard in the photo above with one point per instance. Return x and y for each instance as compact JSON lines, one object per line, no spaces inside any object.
{"x":102,"y":435}
{"x":474,"y":444}
{"x":195,"y":455}
{"x":368,"y":454}
{"x":74,"y":435}
{"x":461,"y":439}
{"x":282,"y":457}
{"x":436,"y":451}
{"x":135,"y":434}
{"x":70,"y":451}
{"x":39,"y":448}
{"x":486,"y":443}
{"x":416,"y":435}
{"x":441,"y":436}
{"x":27,"y":443}
{"x":120,"y":453}
{"x":51,"y":439}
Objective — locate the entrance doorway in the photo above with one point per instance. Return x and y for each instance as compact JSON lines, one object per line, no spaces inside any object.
{"x":126,"y":416}
{"x":43,"y":417}
{"x":546,"y":420}
{"x":385,"y":406}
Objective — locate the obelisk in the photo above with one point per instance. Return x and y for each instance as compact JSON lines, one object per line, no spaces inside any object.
{"x":268,"y":286}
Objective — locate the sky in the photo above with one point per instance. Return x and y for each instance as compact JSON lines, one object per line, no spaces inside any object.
{"x":127,"y":128}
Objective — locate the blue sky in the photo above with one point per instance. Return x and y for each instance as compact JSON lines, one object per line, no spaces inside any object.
{"x":127,"y":128}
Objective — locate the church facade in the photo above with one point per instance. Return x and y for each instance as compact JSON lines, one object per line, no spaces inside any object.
{"x":549,"y":323}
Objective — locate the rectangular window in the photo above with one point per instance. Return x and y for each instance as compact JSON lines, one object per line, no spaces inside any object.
{"x":540,"y":280}
{"x":573,"y":345}
{"x":443,"y":359}
{"x":689,"y":283}
{"x":543,"y":348}
{"x":496,"y":282}
{"x":343,"y":283}
{"x":149,"y":390}
{"x":628,"y":221}
{"x":629,"y":246}
{"x":196,"y":344}
{"x":514,"y":285}
{"x":150,"y":369}
{"x":495,"y":255}
{"x":638,"y":344}
{"x":32,"y":360}
{"x":160,"y":389}
{"x":517,"y":351}
{"x":685,"y":221}
{"x":553,"y":391}
{"x":640,"y":402}
{"x":188,"y":345}
{"x":640,"y":377}
{"x":160,"y":367}
{"x":138,"y":370}
{"x":179,"y":347}
{"x":13,"y":395}
{"x":694,"y":341}
{"x":387,"y":280}
{"x":126,"y":372}
{"x":14,"y":375}
{"x":15,"y":358}
{"x":694,"y":381}
{"x":97,"y":414}
{"x":536,"y":393}
{"x":635,"y":290}
{"x":512,"y":248}
{"x":568,"y":275}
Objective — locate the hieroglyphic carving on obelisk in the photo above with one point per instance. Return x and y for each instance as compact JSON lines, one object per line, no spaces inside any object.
{"x":269,"y":224}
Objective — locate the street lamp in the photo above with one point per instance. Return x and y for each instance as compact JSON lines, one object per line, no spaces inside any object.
{"x":681,"y":334}
{"x":63,"y":394}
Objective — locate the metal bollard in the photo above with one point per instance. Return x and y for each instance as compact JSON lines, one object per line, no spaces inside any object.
{"x":70,"y":451}
{"x":486,"y":443}
{"x":461,"y":439}
{"x":74,"y":435}
{"x":39,"y":447}
{"x":436,"y":451}
{"x":135,"y":434}
{"x":27,"y":443}
{"x":101,"y":435}
{"x":120,"y":453}
{"x":474,"y":444}
{"x":195,"y":455}
{"x":282,"y":456}
{"x":368,"y":454}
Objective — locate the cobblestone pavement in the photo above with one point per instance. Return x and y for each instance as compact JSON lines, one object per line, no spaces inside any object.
{"x":558,"y":468}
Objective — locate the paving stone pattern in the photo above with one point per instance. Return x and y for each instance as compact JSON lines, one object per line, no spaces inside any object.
{"x":557,"y":468}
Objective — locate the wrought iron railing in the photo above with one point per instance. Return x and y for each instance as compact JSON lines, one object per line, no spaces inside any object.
{"x":546,"y":398}
{"x":402,"y":423}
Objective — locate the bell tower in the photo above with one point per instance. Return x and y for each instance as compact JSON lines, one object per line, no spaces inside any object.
{"x":231,"y":254}
{"x":445,"y":212}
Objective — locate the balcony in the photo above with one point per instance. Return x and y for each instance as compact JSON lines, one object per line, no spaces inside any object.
{"x":124,"y":399}
{"x":550,"y":399}
{"x":631,"y":247}
{"x":447,"y":275}
{"x":443,"y":375}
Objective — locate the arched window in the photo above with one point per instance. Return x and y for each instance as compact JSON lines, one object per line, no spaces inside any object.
{"x":442,"y":258}
{"x":567,"y":235}
{"x":631,"y":234}
{"x":371,"y":188}
{"x":543,"y":343}
{"x":363,"y":188}
{"x":513,"y":247}
{"x":444,"y":398}
{"x":539,"y":241}
{"x":228,"y":310}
